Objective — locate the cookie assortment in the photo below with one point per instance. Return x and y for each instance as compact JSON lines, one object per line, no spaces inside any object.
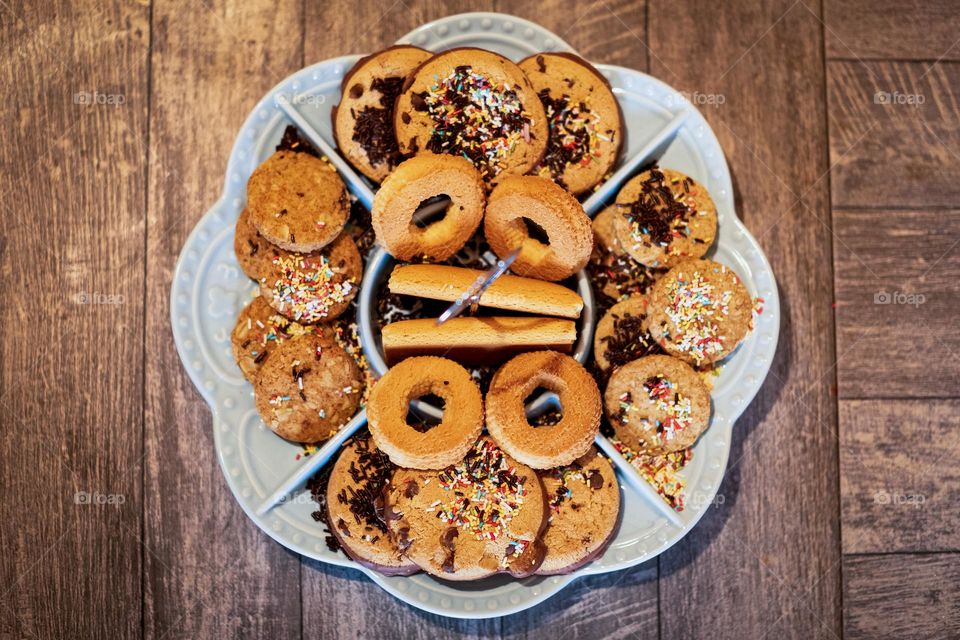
{"x":500,"y":154}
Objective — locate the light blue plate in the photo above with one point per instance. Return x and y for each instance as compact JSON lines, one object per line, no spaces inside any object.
{"x":209,"y":290}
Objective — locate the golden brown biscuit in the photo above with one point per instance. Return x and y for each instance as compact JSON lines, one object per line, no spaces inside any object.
{"x":258,"y":332}
{"x":308,"y":388}
{"x":614,"y":274}
{"x":355,"y":507}
{"x":666,"y":217}
{"x":657,"y":404}
{"x":297,"y":201}
{"x":475,"y":104}
{"x":550,"y":446}
{"x":481,"y":516}
{"x":415,"y":181}
{"x":313,"y":287}
{"x":518,"y":206}
{"x":584,"y":502}
{"x":586,"y":126}
{"x":477,"y":341}
{"x":363,"y":121}
{"x":442,"y":444}
{"x":527,"y":295}
{"x":699,"y":312}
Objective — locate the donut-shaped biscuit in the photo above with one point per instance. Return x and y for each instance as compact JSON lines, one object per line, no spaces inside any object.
{"x":297,"y":201}
{"x":547,"y":446}
{"x":586,"y":127}
{"x":699,"y":312}
{"x":481,"y":516}
{"x":363,"y":121}
{"x":657,"y":404}
{"x":441,"y":445}
{"x":355,"y":510}
{"x":308,"y":388}
{"x":665,"y":218}
{"x":475,"y":104}
{"x":414,"y":181}
{"x":519,"y":200}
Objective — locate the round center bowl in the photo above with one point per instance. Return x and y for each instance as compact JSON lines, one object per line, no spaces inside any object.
{"x":378,"y":268}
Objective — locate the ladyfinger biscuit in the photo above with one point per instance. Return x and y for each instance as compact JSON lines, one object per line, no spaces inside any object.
{"x":441,"y":282}
{"x":476,"y":341}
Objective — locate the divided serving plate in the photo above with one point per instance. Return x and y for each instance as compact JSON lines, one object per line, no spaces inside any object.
{"x":209,"y":290}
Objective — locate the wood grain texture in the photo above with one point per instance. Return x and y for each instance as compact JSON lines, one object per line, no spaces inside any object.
{"x":71,"y":267}
{"x":209,"y":572}
{"x":897,"y":291}
{"x":743,"y":572}
{"x":900,"y":483}
{"x":894,"y":134}
{"x":901,"y":597}
{"x":924,"y":30}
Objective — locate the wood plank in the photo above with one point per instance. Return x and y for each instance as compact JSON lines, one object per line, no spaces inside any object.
{"x":71,"y":358}
{"x":209,"y":571}
{"x":897,"y":286}
{"x":623,"y":603}
{"x":895,"y":29}
{"x":896,"y":497}
{"x":894,"y":134}
{"x":741,"y":572}
{"x":901,"y":597}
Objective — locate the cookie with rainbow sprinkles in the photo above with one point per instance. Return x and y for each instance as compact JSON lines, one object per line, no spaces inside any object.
{"x":476,"y":104}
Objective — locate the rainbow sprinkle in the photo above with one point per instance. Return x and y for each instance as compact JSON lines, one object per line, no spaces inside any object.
{"x":486,"y":492}
{"x":661,"y":471}
{"x":694,"y":306}
{"x":309,"y":287}
{"x":474,"y":117}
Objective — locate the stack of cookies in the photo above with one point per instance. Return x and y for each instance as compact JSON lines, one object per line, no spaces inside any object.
{"x":295,"y":342}
{"x":501,"y":153}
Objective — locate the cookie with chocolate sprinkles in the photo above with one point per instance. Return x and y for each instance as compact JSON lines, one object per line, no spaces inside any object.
{"x":621,"y":336}
{"x":584,"y":510}
{"x":354,"y":502}
{"x":363,"y":120}
{"x":614,"y":274}
{"x":308,"y":388}
{"x":666,"y":217}
{"x":476,"y":104}
{"x":586,"y":125}
{"x":481,"y":516}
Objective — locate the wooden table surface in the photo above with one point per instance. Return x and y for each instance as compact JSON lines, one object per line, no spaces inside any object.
{"x":840,"y":511}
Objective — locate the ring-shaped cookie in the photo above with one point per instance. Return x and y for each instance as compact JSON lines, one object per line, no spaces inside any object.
{"x":550,"y":446}
{"x":518,"y":199}
{"x":441,"y":445}
{"x":418,"y":179}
